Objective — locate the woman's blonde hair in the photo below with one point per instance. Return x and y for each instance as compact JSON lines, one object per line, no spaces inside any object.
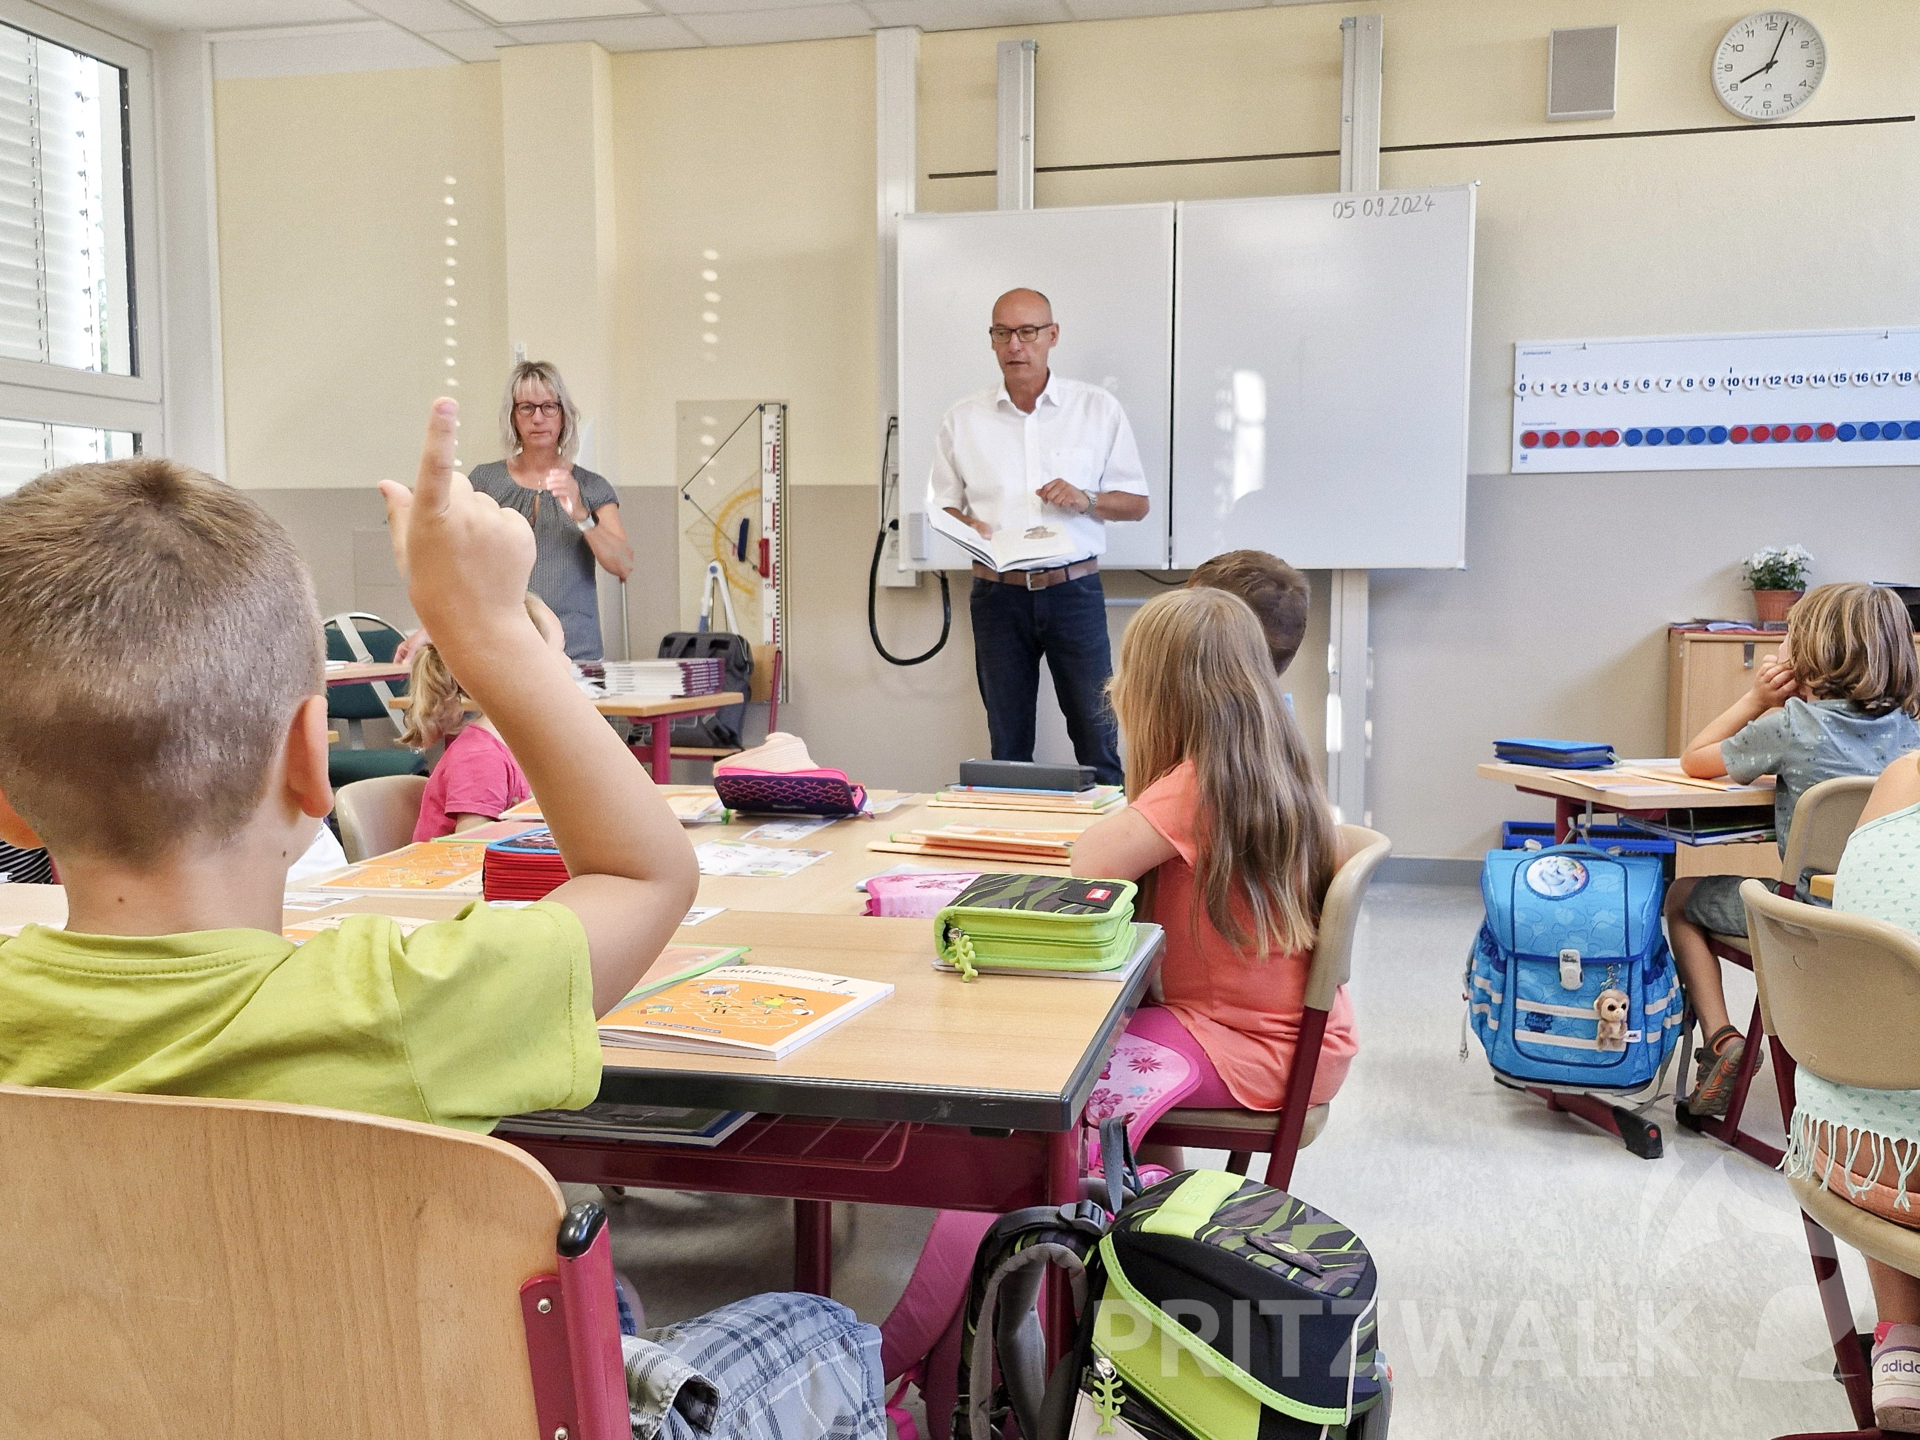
{"x":439,"y":705}
{"x":1196,"y":682}
{"x":1854,"y":642}
{"x":529,"y":372}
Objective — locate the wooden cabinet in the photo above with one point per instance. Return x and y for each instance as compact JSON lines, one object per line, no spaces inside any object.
{"x":1705,"y":674}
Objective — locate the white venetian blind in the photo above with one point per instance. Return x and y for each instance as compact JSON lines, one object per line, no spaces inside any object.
{"x":64,"y":284}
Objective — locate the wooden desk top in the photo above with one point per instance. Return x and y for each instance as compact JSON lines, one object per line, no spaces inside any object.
{"x":826,"y":886}
{"x":356,"y":673}
{"x":1016,"y":1052}
{"x":1820,"y":887}
{"x":1619,"y":792}
{"x":631,"y":707}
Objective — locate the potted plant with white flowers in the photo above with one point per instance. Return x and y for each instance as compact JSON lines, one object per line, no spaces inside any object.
{"x":1777,"y":576}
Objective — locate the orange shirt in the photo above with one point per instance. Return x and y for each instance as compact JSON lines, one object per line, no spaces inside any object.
{"x":1243,"y":1009}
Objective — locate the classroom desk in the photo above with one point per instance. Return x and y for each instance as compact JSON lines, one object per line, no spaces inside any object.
{"x":1575,"y":792}
{"x":826,"y":887}
{"x":688,"y":707}
{"x":1820,"y":887}
{"x":357,"y":673}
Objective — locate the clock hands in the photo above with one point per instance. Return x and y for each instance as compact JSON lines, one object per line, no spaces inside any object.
{"x":1772,"y":59}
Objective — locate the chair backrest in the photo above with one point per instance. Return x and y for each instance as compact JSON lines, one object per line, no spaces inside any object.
{"x":228,"y":1269}
{"x":378,"y":815}
{"x":1340,"y":913}
{"x":1822,"y":821}
{"x":361,"y":702}
{"x":1842,"y":992}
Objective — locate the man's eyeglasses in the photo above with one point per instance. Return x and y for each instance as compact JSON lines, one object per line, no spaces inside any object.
{"x":1027,"y":334}
{"x":527,"y":409}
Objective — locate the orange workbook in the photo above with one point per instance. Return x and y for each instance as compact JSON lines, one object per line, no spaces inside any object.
{"x":423,"y":868}
{"x":760,"y":1012}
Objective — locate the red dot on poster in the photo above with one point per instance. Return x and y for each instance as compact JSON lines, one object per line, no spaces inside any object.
{"x":1593,"y":437}
{"x":1611,"y":437}
{"x":1572,"y":437}
{"x":1781,"y":432}
{"x":1760,"y":432}
{"x":1550,"y":439}
{"x":1803,"y":432}
{"x":1738,"y":434}
{"x":1529,"y":439}
{"x":1825,"y":432}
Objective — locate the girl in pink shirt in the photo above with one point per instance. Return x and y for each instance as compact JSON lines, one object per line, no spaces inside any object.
{"x":476,"y":780}
{"x":1229,"y":831}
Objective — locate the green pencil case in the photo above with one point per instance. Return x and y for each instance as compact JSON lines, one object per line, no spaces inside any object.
{"x":1037,"y":922}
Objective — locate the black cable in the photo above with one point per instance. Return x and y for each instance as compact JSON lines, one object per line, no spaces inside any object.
{"x":873,"y":573}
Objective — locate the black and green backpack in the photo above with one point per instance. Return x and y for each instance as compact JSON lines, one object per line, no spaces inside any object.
{"x":1215,"y":1308}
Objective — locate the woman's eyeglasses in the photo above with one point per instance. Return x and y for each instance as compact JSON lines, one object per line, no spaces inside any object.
{"x":527,"y":409}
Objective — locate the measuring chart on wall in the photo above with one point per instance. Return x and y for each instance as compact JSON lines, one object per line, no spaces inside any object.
{"x":732,"y":454}
{"x":1718,"y":402}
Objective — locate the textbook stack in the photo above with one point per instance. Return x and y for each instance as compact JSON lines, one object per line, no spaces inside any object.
{"x":983,"y":842}
{"x":1094,"y":800}
{"x":663,"y":679}
{"x":526,"y":867}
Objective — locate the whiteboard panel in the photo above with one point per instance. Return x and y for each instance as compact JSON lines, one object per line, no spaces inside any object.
{"x":1718,"y":402}
{"x":1321,"y":364}
{"x":1108,"y":271}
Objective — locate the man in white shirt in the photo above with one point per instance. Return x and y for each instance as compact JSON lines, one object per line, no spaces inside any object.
{"x":1040,"y":450}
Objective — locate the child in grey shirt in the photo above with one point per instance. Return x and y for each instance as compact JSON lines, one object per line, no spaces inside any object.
{"x":1839,"y":699}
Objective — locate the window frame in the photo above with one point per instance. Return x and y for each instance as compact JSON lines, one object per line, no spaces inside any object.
{"x":54,"y":394}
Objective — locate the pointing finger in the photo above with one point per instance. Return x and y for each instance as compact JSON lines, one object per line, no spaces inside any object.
{"x":431,"y":491}
{"x":399,"y":512}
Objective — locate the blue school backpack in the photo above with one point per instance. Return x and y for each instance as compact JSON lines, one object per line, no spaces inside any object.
{"x":1570,"y":982}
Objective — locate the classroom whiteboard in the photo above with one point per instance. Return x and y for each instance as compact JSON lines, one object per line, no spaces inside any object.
{"x":1321,"y":361}
{"x":1108,"y":271}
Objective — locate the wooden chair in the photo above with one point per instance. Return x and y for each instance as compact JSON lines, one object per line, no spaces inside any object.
{"x":1839,"y":994}
{"x":1282,"y":1136}
{"x":1822,"y":821}
{"x":378,"y":815}
{"x":277,"y":1270}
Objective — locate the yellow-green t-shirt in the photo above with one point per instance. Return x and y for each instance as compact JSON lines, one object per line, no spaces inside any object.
{"x":459,"y":1023}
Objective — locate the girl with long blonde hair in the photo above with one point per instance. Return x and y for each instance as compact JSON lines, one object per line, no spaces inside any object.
{"x":476,"y":779}
{"x":1229,"y":830}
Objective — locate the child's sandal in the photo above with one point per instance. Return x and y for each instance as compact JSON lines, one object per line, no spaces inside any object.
{"x":1718,"y":1062}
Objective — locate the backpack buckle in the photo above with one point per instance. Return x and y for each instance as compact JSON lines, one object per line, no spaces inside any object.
{"x":1570,"y":976}
{"x":1086,"y":1216}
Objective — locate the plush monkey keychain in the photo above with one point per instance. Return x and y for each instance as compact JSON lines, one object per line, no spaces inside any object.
{"x":1611,"y":1007}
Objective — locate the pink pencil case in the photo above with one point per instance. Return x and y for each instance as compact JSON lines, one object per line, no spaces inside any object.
{"x":789,"y":792}
{"x":915,"y":897}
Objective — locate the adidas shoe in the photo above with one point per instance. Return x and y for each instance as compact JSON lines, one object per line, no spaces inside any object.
{"x":1896,"y":1380}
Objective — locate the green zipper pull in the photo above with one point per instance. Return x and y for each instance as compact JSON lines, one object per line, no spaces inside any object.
{"x":962,"y":953}
{"x":1107,"y":1397}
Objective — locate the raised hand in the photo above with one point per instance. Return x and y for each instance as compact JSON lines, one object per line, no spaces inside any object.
{"x":465,"y":560}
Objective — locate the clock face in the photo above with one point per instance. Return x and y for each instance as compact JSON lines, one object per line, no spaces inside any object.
{"x":1769,"y":65}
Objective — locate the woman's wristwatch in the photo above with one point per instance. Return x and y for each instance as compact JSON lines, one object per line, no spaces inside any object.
{"x":583,"y":526}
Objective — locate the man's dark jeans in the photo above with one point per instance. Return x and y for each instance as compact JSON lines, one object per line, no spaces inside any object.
{"x":1067,"y":623}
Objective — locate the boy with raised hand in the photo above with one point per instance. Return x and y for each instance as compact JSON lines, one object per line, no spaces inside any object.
{"x":163,"y":730}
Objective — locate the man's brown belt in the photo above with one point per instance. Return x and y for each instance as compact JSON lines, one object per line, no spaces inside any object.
{"x":1038,"y":579}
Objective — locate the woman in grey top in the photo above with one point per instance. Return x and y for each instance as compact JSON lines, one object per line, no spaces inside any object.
{"x":575,"y":513}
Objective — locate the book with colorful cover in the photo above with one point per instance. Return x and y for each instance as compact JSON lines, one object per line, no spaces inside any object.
{"x":757,"y":1012}
{"x":488,"y":833}
{"x":527,"y":866}
{"x":691,"y":805}
{"x":424,"y":867}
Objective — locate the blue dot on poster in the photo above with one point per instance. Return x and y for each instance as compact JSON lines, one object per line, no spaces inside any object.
{"x":1632,"y":437}
{"x":1656,"y":436}
{"x":1697,"y":435}
{"x":1869,"y":431}
{"x":1717,"y":435}
{"x":1846,"y":432}
{"x":1675,"y":435}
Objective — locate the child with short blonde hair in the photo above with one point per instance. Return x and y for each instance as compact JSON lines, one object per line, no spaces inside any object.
{"x":476,"y":780}
{"x":1839,"y":698}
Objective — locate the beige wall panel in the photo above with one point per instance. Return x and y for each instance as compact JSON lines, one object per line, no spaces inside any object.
{"x":333,"y":230}
{"x":764,"y":156}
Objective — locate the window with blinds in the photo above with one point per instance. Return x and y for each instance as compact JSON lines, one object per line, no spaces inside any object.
{"x":29,"y":449}
{"x":65,"y":275}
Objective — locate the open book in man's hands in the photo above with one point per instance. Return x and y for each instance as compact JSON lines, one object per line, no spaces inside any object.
{"x":1009,"y":548}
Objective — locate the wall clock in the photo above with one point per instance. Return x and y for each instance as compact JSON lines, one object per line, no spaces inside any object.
{"x":1769,"y":65}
